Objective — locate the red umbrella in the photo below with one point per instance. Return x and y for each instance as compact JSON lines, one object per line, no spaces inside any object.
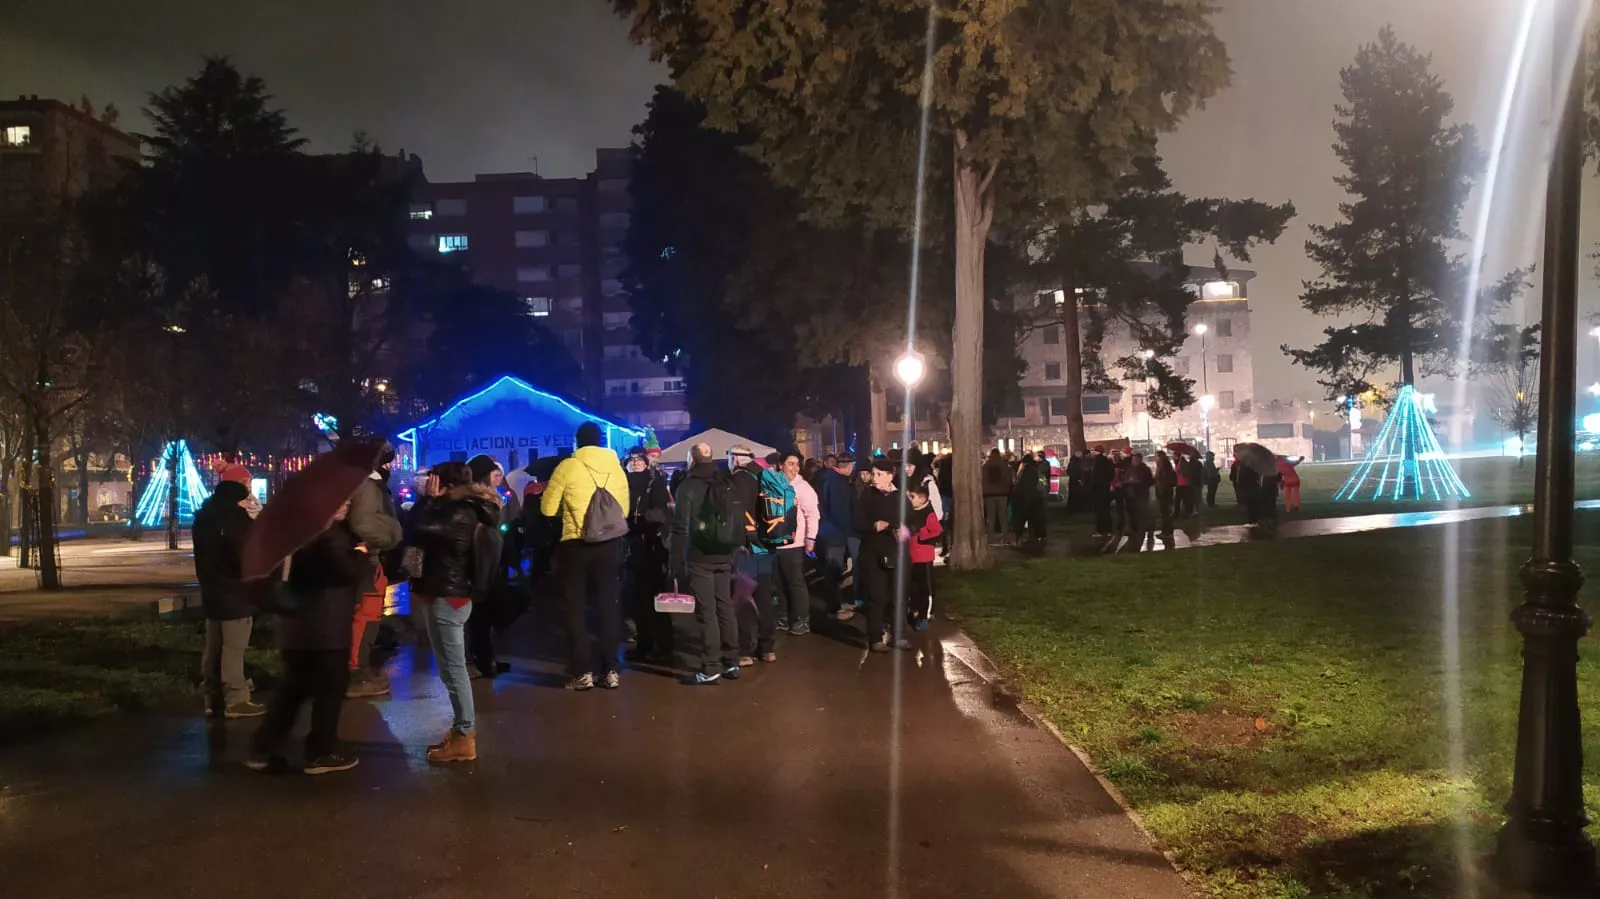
{"x":305,"y":505}
{"x":1182,"y":449}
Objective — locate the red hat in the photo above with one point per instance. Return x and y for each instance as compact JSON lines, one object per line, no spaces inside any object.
{"x":1099,"y":447}
{"x":236,"y":473}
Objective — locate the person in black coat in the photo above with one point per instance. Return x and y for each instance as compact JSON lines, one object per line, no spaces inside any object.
{"x":1101,"y":475}
{"x":220,"y":526}
{"x":880,"y":525}
{"x":326,"y":578}
{"x":649,"y":522}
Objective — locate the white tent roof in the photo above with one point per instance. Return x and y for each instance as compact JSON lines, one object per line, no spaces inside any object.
{"x":721,"y":441}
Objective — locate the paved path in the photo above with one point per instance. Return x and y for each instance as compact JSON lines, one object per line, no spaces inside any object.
{"x":1191,"y":533}
{"x":827,"y":774}
{"x":101,"y":576}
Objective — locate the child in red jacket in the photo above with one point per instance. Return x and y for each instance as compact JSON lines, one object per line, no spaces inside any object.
{"x":921,"y":547}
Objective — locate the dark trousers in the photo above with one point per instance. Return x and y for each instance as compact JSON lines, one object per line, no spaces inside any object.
{"x":592,"y":573}
{"x":646,"y":577}
{"x":1102,"y":511}
{"x":708,"y":640}
{"x":1119,"y":510}
{"x":319,"y":675}
{"x":1164,"y":502}
{"x":758,"y":622}
{"x":919,"y":591}
{"x":789,"y":581}
{"x":1138,"y":523}
{"x":480,"y":634}
{"x":884,"y":607}
{"x":1211,"y":494}
{"x":834,"y":554}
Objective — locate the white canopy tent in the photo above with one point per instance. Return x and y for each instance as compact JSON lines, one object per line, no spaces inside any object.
{"x":721,"y":441}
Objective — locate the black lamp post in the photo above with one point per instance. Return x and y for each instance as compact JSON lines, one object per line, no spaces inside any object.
{"x":1542,"y":846}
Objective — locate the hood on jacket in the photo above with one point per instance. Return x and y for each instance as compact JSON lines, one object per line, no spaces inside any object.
{"x":229,"y":493}
{"x":483,"y":499}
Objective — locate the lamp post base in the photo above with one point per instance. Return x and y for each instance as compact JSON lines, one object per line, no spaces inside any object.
{"x":1546,"y":858}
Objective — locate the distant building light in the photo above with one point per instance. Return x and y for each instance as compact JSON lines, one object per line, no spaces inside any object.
{"x":18,"y":135}
{"x":176,"y":329}
{"x":1218,"y":290}
{"x":421,"y":213}
{"x":451,"y":243}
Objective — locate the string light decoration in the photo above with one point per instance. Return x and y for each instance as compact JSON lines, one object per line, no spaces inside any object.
{"x":1405,"y":461}
{"x":153,"y":504}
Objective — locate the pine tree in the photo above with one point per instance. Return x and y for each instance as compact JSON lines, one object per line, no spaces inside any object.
{"x":1389,"y":260}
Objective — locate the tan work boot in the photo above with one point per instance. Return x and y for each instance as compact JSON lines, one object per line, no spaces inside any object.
{"x":456,"y":748}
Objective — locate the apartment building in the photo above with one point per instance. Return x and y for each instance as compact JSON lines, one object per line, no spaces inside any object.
{"x":557,"y":243}
{"x":52,"y":151}
{"x":1216,"y":354}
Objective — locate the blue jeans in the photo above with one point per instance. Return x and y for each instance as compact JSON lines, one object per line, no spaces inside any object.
{"x":447,"y":635}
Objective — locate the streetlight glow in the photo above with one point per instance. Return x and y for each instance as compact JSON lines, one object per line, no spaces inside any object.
{"x":910,"y":368}
{"x":1200,"y":329}
{"x":1147,"y":355}
{"x":1207,"y":403}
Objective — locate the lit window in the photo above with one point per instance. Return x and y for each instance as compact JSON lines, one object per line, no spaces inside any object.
{"x":19,"y":135}
{"x":452,"y":243}
{"x":533,"y":273}
{"x":421,"y":212}
{"x":450,"y":207}
{"x":1219,"y":290}
{"x":533,"y":238}
{"x":1052,"y":371}
{"x":1224,"y":327}
{"x":527,"y":205}
{"x":538,"y":307}
{"x":1224,"y":364}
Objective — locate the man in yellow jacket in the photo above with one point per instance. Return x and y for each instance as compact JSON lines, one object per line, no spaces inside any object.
{"x":590,"y":571}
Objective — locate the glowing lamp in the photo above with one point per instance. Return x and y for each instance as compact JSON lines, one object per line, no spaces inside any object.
{"x":910,"y":368}
{"x":1207,"y":402}
{"x":1201,"y":329}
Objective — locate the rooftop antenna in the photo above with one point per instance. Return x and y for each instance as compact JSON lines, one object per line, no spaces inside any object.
{"x":535,"y":164}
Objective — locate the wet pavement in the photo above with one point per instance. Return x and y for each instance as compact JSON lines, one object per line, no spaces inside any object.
{"x":828,"y":773}
{"x":1194,"y":533}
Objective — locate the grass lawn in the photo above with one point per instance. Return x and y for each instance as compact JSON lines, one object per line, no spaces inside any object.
{"x":55,"y":674}
{"x":1276,"y":711}
{"x":1493,"y":481}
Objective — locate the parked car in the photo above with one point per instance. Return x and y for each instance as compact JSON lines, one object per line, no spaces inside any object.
{"x":111,"y":512}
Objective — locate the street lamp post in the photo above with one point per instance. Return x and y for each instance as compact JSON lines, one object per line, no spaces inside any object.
{"x":1543,"y":846}
{"x":1207,"y":403}
{"x":1205,"y":374}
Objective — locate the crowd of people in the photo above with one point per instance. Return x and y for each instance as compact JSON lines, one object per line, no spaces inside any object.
{"x":746,"y":537}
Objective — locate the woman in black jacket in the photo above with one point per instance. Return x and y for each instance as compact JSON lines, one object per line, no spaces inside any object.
{"x":326,"y":579}
{"x":220,"y":527}
{"x":880,"y":525}
{"x":456,"y":523}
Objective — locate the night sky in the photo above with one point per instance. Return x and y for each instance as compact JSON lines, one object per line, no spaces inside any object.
{"x":486,"y":85}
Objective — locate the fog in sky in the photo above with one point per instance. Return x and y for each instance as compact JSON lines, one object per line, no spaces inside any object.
{"x":505,"y":85}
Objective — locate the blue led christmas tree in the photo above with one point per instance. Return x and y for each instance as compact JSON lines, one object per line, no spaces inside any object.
{"x":152,"y":509}
{"x":1405,"y":461}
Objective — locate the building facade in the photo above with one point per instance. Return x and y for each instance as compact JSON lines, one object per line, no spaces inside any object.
{"x":557,"y":243}
{"x":1216,"y":355}
{"x":52,"y":151}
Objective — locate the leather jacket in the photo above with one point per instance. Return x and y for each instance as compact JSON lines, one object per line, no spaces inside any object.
{"x":445,"y":528}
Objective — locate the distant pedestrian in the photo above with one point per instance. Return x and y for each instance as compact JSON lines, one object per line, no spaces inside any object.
{"x":836,"y":516}
{"x":649,"y":526}
{"x":220,"y":526}
{"x":1289,"y":476}
{"x":789,"y":563}
{"x":878,"y":523}
{"x":1166,"y":487}
{"x":1102,"y":479}
{"x":374,"y":523}
{"x":997,"y":484}
{"x":1213,"y":479}
{"x":707,"y":528}
{"x":590,"y":493}
{"x":925,"y":530}
{"x":1137,"y":481}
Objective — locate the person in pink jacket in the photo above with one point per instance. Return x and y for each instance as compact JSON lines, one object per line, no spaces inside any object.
{"x":789,"y":562}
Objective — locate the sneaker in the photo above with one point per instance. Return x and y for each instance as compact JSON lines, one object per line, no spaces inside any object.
{"x":783,"y":624}
{"x":581,"y":682}
{"x":800,"y":630}
{"x":213,"y":709}
{"x":612,"y":680}
{"x":330,"y":763}
{"x":769,"y":657}
{"x":364,"y":686}
{"x":702,"y":679}
{"x":881,"y":646}
{"x":845,"y":614}
{"x":262,"y":761}
{"x":456,"y":748}
{"x":746,"y":661}
{"x":732,"y":672}
{"x":246,"y":709}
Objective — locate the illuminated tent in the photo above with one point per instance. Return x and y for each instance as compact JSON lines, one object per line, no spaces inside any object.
{"x":720,"y":440}
{"x":511,"y":420}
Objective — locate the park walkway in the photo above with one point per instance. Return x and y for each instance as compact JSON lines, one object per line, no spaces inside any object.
{"x":829,"y":773}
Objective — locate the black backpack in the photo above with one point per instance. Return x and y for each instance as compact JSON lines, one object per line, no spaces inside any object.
{"x":717,"y":528}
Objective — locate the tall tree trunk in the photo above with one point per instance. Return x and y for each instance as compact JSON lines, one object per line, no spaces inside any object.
{"x":1072,"y":341}
{"x":879,"y":401}
{"x":49,"y":573}
{"x":172,"y":496}
{"x":83,"y":483}
{"x":5,"y":510}
{"x":969,"y":545}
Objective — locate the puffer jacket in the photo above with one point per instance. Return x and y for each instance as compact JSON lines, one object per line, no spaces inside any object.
{"x":445,"y":529}
{"x":220,"y":527}
{"x":574,"y":482}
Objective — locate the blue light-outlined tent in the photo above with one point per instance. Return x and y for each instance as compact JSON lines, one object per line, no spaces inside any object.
{"x":511,"y":420}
